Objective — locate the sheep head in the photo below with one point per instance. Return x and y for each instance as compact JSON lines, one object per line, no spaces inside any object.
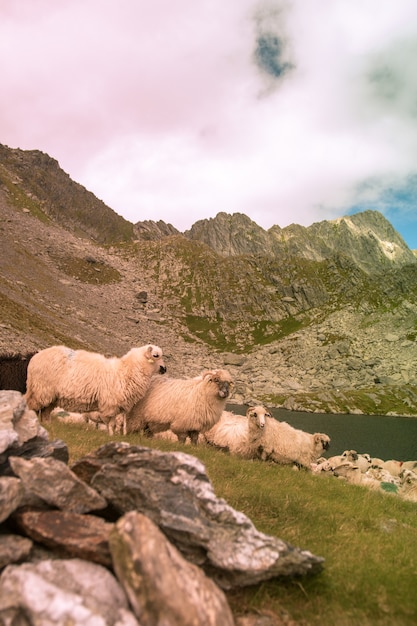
{"x":154,"y":355}
{"x":257,"y":415}
{"x":221,"y":382}
{"x":350,"y":455}
{"x":321,"y":440}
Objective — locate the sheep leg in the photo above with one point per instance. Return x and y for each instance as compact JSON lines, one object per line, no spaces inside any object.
{"x":45,"y":413}
{"x":193,"y":435}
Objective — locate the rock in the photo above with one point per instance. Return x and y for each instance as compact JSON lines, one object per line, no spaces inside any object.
{"x":54,"y":592}
{"x":70,"y":534}
{"x":11,"y":494}
{"x":21,"y":434}
{"x":229,"y":358}
{"x":163,"y":588}
{"x":391,"y":337}
{"x":37,"y":447}
{"x":13,"y":548}
{"x":53,"y":482}
{"x":202,"y":543}
{"x":17,"y":422}
{"x":173,"y":490}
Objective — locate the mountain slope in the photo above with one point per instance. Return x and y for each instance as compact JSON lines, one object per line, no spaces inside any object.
{"x":34,"y":181}
{"x":319,"y":318}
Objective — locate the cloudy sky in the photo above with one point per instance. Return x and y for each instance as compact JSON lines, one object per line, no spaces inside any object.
{"x":288,"y":111}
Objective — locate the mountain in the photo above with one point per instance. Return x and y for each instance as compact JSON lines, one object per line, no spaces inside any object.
{"x":367,"y":238}
{"x":35,"y":181}
{"x":319,"y":318}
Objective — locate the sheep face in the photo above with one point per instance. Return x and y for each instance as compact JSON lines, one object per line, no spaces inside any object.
{"x":321,"y":441}
{"x":154,"y":356}
{"x":257,"y":415}
{"x":350,"y":455}
{"x":221,"y":382}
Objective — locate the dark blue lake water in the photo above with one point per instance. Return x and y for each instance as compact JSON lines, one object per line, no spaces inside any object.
{"x":378,"y":435}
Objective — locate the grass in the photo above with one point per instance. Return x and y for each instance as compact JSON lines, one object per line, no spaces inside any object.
{"x":368,"y":539}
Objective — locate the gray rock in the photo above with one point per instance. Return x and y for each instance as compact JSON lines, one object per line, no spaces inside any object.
{"x":163,"y":588}
{"x":233,"y":359}
{"x":55,"y":592}
{"x":36,"y":447}
{"x":173,"y":490}
{"x":53,"y":482}
{"x":17,"y":422}
{"x":13,"y":548}
{"x":11,"y":495}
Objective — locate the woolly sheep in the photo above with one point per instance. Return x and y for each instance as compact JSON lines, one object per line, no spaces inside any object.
{"x":77,"y":380}
{"x":408,"y":487}
{"x":347,"y":457}
{"x":239,"y":434}
{"x":393,"y":467}
{"x":287,"y":445}
{"x":185,"y":406}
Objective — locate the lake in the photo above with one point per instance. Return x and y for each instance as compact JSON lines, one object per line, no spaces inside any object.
{"x":381,"y":436}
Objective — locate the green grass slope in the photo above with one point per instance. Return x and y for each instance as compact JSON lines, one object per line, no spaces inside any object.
{"x":368,"y":539}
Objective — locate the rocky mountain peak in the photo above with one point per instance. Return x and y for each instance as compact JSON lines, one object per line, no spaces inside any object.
{"x":231,"y":235}
{"x":367,"y":238}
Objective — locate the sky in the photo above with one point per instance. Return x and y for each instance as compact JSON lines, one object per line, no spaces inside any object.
{"x":289,"y":111}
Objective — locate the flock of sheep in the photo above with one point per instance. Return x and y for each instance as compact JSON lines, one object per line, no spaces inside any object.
{"x":127,"y":394}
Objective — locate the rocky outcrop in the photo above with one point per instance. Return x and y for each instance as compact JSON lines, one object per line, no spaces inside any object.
{"x":126,"y":536}
{"x":152,"y":231}
{"x":232,"y":235}
{"x":367,"y":239}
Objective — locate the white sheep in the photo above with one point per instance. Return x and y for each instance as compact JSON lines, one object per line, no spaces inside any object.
{"x":347,"y":457}
{"x":185,"y":406}
{"x":287,"y":445}
{"x":81,"y":381}
{"x":393,"y":467}
{"x":239,"y":434}
{"x":408,"y":486}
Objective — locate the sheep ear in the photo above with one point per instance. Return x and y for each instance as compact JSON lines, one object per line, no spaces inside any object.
{"x":317,"y":438}
{"x":149,"y":351}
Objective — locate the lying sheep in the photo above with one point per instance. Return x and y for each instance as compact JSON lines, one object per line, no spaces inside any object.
{"x":81,"y":381}
{"x":185,"y":406}
{"x":287,"y":445}
{"x":239,"y":434}
{"x":330,"y":464}
{"x":408,"y":487}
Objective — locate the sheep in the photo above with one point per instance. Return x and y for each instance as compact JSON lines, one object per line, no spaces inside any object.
{"x":347,"y":457}
{"x":408,"y":486}
{"x":77,"y":380}
{"x":287,"y":445}
{"x":13,"y":371}
{"x":239,"y":434}
{"x":410,"y":465}
{"x":185,"y":406}
{"x":393,"y":467}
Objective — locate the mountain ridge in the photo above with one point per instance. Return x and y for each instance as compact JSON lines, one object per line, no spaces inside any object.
{"x":320,"y":318}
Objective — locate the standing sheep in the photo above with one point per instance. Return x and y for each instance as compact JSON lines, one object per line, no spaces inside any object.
{"x":239,"y":434}
{"x":81,"y":381}
{"x":186,"y":406}
{"x":287,"y":445}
